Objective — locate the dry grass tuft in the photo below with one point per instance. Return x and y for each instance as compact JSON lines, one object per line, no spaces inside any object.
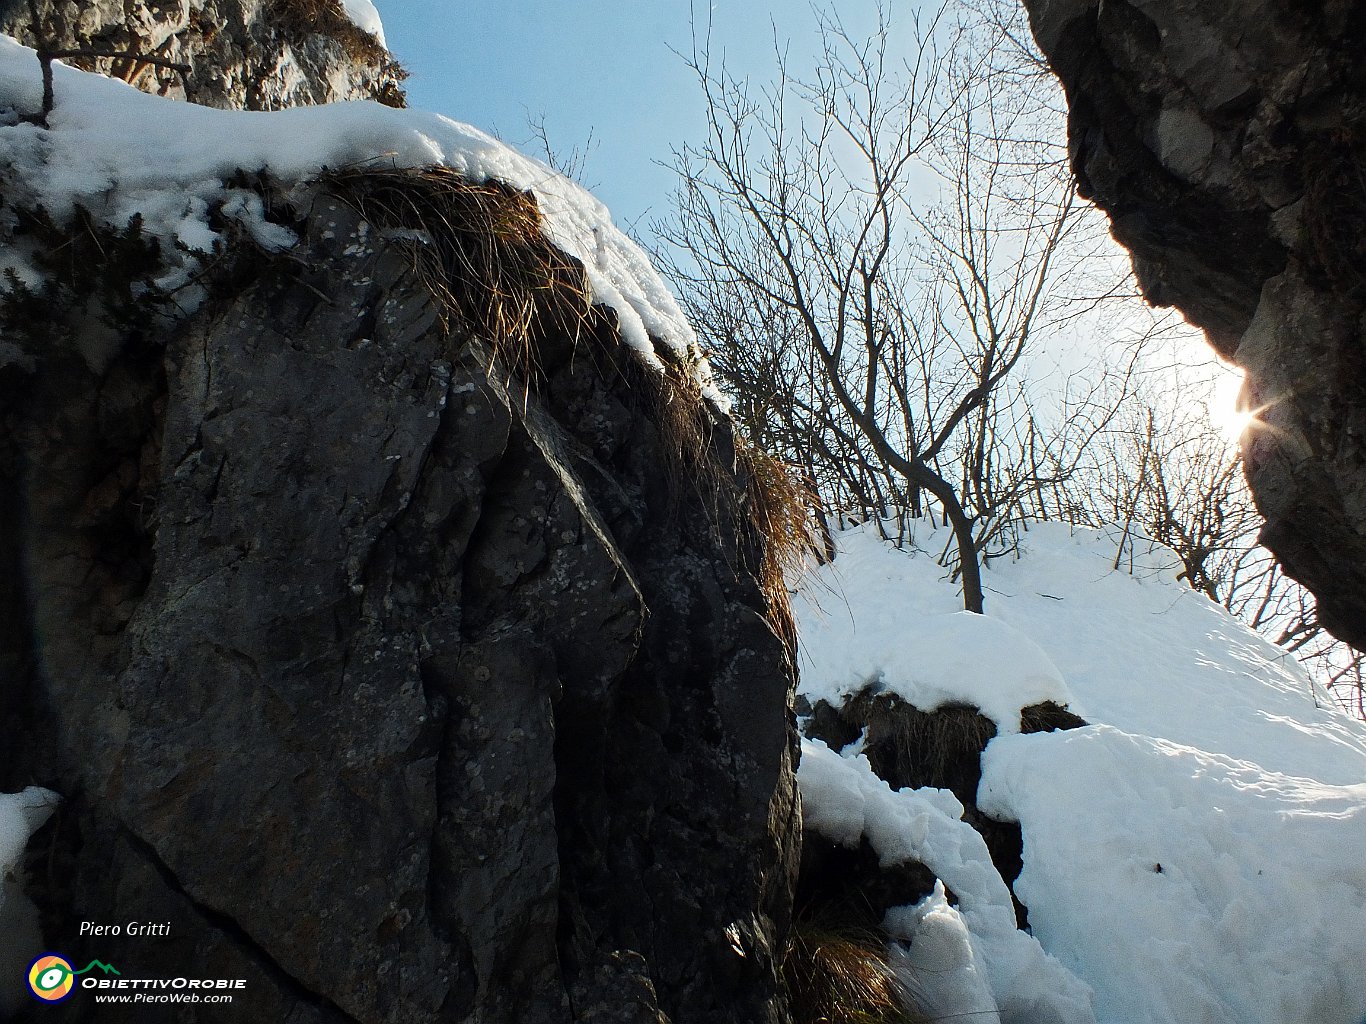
{"x":1048,"y":717}
{"x":480,"y":249}
{"x":910,"y":747}
{"x":781,"y":508}
{"x":841,"y":975}
{"x":772,"y":499}
{"x":325,"y":17}
{"x":686,"y":423}
{"x":943,"y":743}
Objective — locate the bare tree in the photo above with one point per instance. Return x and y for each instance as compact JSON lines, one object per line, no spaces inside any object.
{"x":869,"y":253}
{"x":873,"y":254}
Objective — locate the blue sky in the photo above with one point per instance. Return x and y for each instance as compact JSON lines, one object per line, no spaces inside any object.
{"x":607,"y":68}
{"x":591,"y":65}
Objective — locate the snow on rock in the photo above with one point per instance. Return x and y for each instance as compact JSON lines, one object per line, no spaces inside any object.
{"x":119,"y":153}
{"x":365,"y":17}
{"x":21,"y":814}
{"x":1194,"y":855}
{"x":843,"y":799}
{"x":879,"y":616}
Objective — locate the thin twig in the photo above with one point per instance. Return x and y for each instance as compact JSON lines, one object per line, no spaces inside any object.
{"x":46,"y":56}
{"x":45,"y":64}
{"x":160,"y":62}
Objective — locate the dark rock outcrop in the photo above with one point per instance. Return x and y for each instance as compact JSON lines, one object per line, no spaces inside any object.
{"x":403,"y":690}
{"x":1226,"y":141}
{"x":242,"y":54}
{"x":404,"y":681}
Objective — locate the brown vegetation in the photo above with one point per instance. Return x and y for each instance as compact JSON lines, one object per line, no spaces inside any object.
{"x":783,"y":510}
{"x":841,"y":975}
{"x":479,"y":248}
{"x":910,"y":747}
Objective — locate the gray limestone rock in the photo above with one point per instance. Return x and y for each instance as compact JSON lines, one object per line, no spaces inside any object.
{"x":242,"y":54}
{"x":401,"y":688}
{"x":1226,"y":139}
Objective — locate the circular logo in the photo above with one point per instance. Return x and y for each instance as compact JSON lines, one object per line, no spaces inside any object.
{"x":51,"y":978}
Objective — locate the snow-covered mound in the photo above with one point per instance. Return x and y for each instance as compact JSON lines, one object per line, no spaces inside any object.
{"x":863,"y":620}
{"x":1193,"y":855}
{"x":363,"y":14}
{"x":121,"y":153}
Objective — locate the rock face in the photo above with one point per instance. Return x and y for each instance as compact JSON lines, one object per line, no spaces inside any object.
{"x":242,"y":54}
{"x":1226,"y":141}
{"x":407,"y":692}
{"x":410,"y":692}
{"x":403,"y":681}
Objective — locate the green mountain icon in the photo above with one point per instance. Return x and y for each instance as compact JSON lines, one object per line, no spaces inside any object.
{"x":106,"y":968}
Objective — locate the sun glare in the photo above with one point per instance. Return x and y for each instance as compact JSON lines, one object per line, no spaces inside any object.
{"x":1227,"y":414}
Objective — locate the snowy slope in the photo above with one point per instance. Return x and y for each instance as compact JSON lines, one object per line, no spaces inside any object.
{"x":1194,"y":855}
{"x":119,"y":152}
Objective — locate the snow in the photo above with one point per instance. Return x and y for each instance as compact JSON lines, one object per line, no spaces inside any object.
{"x":870,"y":620}
{"x":364,"y":15}
{"x":1193,"y":856}
{"x":843,"y":799}
{"x":21,"y":814}
{"x":119,"y":153}
{"x":1242,"y":891}
{"x":1152,"y":656}
{"x":939,"y":965}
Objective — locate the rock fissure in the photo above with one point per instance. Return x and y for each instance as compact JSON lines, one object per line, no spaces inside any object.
{"x":224,"y":924}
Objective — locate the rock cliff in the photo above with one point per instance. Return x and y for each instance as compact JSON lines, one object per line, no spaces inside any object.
{"x":239,"y":54}
{"x":410,"y":668}
{"x":1226,"y":141}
